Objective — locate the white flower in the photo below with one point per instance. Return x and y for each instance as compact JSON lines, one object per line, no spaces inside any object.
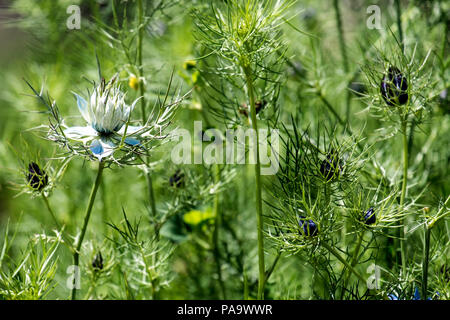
{"x":107,"y":116}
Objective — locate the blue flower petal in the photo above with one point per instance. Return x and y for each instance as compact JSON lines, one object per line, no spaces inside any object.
{"x":96,"y":147}
{"x":82,"y":106}
{"x":392,"y":296}
{"x":102,"y":148}
{"x":416,"y":294}
{"x":132,"y":141}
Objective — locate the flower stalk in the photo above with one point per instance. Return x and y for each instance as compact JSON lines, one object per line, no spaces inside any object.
{"x":425,"y":260}
{"x":344,"y":262}
{"x":259,"y":214}
{"x":76,"y":253}
{"x":403,"y":193}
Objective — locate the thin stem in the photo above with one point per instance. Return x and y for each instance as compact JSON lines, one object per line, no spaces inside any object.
{"x":259,"y":213}
{"x":151,"y":193}
{"x":426,"y":256}
{"x":341,"y":34}
{"x":272,"y":267}
{"x":403,"y":194}
{"x":343,"y":54}
{"x":139,"y":53}
{"x":76,"y":253}
{"x":44,"y":197}
{"x":344,"y":262}
{"x":399,"y":23}
{"x":218,"y":221}
{"x":353,"y":261}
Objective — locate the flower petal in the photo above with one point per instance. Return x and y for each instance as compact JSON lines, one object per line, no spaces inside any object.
{"x":80,"y":133}
{"x":102,"y":148}
{"x":82,"y":106}
{"x":130,"y":130}
{"x":132,"y":141}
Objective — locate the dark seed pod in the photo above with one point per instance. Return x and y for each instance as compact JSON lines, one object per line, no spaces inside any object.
{"x":308,"y":228}
{"x":177,"y":179}
{"x":394,"y":87}
{"x":97,"y":263}
{"x":370,"y":216}
{"x":36,"y":177}
{"x":330,"y":167}
{"x":259,"y":105}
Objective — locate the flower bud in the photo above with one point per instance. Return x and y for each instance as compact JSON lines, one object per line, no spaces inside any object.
{"x":370,"y":217}
{"x":330,"y":167}
{"x":177,"y":179}
{"x":97,"y":263}
{"x":308,"y":228}
{"x":394,"y":87}
{"x":36,"y":177}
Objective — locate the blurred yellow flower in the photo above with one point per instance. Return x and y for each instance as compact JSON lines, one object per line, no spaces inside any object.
{"x":133,"y":82}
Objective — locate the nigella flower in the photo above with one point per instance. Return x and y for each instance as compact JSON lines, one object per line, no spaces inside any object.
{"x":107,"y":116}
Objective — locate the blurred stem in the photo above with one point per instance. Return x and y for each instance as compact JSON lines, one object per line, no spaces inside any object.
{"x":76,"y":253}
{"x":426,"y":256}
{"x":218,"y":221}
{"x":343,"y":54}
{"x":344,"y":262}
{"x":353,"y":261}
{"x":272,"y":267}
{"x":341,"y":34}
{"x":334,"y":112}
{"x":399,"y":23}
{"x":403,"y":194}
{"x":44,"y":197}
{"x":151,"y":193}
{"x":259,"y":214}
{"x":139,"y":52}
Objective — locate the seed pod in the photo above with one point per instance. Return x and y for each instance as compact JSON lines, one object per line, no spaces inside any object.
{"x":259,"y":105}
{"x":394,"y":87}
{"x":177,"y":179}
{"x":36,"y":177}
{"x":370,"y":217}
{"x":308,"y":228}
{"x":97,"y":263}
{"x":330,"y":167}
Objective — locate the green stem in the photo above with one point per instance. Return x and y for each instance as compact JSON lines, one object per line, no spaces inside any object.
{"x":76,"y":253}
{"x":399,"y":23}
{"x":218,"y":221}
{"x":403,"y":194}
{"x":139,"y":53}
{"x":259,"y":213}
{"x":341,"y":34}
{"x":426,"y":256}
{"x":353,"y":261}
{"x":151,"y":192}
{"x":272,"y":267}
{"x":51,"y":211}
{"x":344,"y":262}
